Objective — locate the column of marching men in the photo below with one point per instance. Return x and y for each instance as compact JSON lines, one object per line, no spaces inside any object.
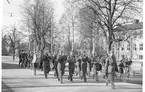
{"x":81,"y":64}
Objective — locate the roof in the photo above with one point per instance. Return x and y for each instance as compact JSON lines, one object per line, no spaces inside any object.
{"x":134,"y":26}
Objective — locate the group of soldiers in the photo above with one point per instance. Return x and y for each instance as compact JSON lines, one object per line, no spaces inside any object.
{"x":25,"y":58}
{"x":81,"y":64}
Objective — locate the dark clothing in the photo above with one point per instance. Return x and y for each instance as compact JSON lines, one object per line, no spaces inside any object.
{"x":79,"y":60}
{"x":71,"y":67}
{"x":121,"y":67}
{"x":55,"y":62}
{"x":20,"y":58}
{"x":46,"y":65}
{"x":90,"y":65}
{"x":84,"y":67}
{"x":61,"y":66}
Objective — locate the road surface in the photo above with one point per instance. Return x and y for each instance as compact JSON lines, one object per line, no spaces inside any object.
{"x":16,"y":79}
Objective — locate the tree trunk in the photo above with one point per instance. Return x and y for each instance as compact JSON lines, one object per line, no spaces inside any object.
{"x":13,"y":53}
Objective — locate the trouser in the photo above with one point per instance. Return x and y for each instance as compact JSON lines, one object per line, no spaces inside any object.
{"x":25,"y":63}
{"x":34,"y":67}
{"x":56,"y":71}
{"x":28,"y":64}
{"x":46,"y":70}
{"x":79,"y":70}
{"x":84,"y":70}
{"x":96,"y":75}
{"x":89,"y":70}
{"x":71,"y":71}
{"x":59,"y":72}
{"x":20,"y":61}
{"x":110,"y":79}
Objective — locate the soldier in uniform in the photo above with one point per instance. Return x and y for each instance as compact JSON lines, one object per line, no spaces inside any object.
{"x":34,"y":64}
{"x":71,"y":67}
{"x":46,"y":63}
{"x":20,"y":57}
{"x":23,"y":58}
{"x":55,"y":62}
{"x":84,"y":66}
{"x":111,"y":67}
{"x":59,"y":67}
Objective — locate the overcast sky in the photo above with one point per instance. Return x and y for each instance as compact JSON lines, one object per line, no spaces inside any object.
{"x":14,"y":8}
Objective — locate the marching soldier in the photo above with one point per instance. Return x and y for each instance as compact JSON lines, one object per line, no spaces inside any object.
{"x":20,"y":57}
{"x":46,"y":63}
{"x":84,"y":66}
{"x":60,"y":67}
{"x":111,"y":67}
{"x":71,"y":67}
{"x":55,"y":62}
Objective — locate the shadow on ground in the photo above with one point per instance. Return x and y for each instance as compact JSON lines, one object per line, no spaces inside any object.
{"x":5,"y":88}
{"x":10,"y":66}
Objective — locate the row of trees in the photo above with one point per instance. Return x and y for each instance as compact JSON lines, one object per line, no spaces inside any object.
{"x":97,"y":21}
{"x":86,"y":24}
{"x":11,"y":40}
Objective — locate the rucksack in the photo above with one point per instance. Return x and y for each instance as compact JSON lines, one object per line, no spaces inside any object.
{"x":98,"y":66}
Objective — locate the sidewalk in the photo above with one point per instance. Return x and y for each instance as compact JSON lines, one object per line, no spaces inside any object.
{"x":15,"y":79}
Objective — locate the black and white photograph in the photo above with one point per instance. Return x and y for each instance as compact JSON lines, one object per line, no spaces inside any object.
{"x":71,"y":45}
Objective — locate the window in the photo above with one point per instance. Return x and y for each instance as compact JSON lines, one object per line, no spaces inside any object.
{"x":134,"y":47}
{"x":128,"y":47}
{"x":140,"y":56}
{"x":141,"y":46}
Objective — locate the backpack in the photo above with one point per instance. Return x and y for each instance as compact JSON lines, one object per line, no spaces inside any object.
{"x":98,"y":66}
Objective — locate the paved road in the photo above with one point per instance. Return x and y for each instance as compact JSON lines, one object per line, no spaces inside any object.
{"x":16,"y":79}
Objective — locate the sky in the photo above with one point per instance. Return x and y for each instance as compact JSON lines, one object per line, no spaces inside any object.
{"x":14,"y":8}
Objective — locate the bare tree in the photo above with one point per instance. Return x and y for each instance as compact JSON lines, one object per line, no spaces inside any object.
{"x":110,"y":13}
{"x":38,"y":17}
{"x":13,"y":38}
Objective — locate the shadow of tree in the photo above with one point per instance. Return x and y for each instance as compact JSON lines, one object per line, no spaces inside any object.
{"x":10,"y":66}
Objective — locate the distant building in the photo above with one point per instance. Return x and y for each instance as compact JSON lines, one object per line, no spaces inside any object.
{"x":132,"y":49}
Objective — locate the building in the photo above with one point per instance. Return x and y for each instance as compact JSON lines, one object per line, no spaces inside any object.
{"x":133,"y":48}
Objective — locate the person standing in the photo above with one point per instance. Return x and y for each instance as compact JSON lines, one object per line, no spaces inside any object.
{"x":111,"y":67}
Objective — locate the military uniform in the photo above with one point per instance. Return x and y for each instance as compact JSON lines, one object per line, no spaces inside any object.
{"x":84,"y":67}
{"x":111,"y":66}
{"x":20,"y":58}
{"x":71,"y":67}
{"x":46,"y":65}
